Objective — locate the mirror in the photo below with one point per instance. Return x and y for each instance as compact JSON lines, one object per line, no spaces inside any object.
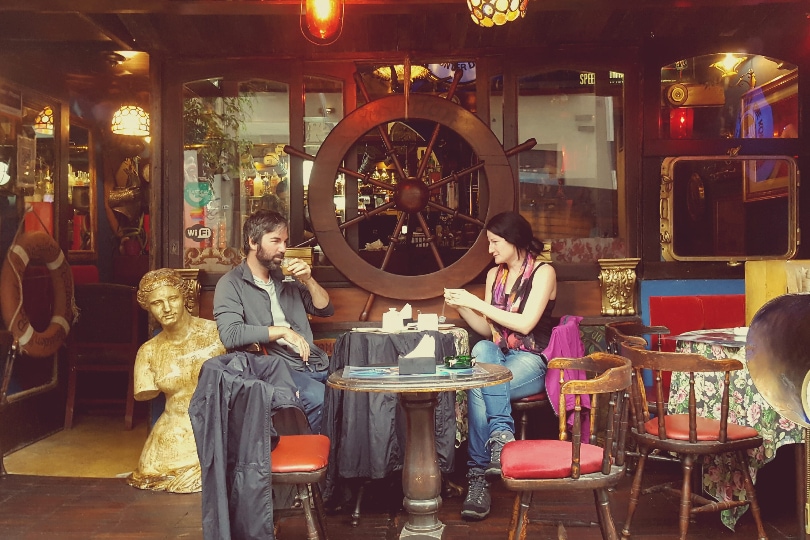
{"x":719,"y":208}
{"x":81,"y":195}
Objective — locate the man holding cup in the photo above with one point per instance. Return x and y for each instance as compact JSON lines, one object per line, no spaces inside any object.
{"x":257,"y":310}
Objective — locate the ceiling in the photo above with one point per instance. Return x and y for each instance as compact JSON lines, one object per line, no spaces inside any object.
{"x":75,"y":39}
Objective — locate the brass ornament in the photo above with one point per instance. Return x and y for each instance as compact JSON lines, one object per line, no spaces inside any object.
{"x":617,"y":281}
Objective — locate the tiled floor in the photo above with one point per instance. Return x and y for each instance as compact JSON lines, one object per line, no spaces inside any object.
{"x":98,"y":446}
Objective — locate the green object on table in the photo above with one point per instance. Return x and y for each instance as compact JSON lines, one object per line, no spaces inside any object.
{"x":462,"y":361}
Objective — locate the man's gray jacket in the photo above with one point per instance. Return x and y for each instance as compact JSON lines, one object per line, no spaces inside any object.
{"x":242,"y":311}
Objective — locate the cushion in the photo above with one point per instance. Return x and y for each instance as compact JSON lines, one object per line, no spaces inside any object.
{"x":534,"y":398}
{"x":678,"y":313}
{"x":535,"y":459}
{"x":84,"y":273}
{"x":723,"y":310}
{"x":300,"y":453}
{"x":677,"y":426}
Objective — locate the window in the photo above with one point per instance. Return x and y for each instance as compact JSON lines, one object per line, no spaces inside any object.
{"x":569,"y":182}
{"x":732,"y":208}
{"x":234,"y":164}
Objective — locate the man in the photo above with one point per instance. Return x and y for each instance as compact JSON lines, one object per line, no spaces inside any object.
{"x":252,"y":306}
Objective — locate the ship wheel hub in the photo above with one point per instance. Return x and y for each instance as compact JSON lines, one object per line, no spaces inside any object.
{"x":411,"y":196}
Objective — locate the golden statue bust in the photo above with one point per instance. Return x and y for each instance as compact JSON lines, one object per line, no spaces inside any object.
{"x":170,"y":363}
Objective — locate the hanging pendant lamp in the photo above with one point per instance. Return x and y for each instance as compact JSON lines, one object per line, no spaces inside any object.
{"x":43,"y":123}
{"x":488,"y":13}
{"x":131,"y":120}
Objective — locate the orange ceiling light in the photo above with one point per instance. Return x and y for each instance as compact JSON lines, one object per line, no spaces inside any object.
{"x":322,"y":20}
{"x":489,"y":13}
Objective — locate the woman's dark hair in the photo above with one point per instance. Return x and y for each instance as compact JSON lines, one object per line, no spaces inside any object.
{"x":258,"y":224}
{"x":516,"y":230}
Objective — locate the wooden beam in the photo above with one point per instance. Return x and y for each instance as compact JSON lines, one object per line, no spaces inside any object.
{"x":276,"y":7}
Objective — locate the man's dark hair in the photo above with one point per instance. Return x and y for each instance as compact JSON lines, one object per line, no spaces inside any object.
{"x":258,"y":224}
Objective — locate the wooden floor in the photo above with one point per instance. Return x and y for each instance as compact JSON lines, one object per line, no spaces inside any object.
{"x":39,"y":507}
{"x":37,"y":501}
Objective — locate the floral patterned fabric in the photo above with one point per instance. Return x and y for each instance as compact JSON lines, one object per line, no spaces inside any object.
{"x":746,"y":407}
{"x":583,"y":250}
{"x":462,"y":341}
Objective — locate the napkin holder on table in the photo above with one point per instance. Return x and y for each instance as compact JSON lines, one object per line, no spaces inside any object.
{"x":421,"y":360}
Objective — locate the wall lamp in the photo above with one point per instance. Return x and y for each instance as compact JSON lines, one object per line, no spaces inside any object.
{"x":322,"y":20}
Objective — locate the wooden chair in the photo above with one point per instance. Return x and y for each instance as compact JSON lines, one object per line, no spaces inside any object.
{"x":524,"y":406}
{"x":632,"y":332}
{"x":617,"y":333}
{"x":299,"y":460}
{"x":689,"y":436}
{"x":8,"y":351}
{"x":104,"y":339}
{"x":538,"y":465}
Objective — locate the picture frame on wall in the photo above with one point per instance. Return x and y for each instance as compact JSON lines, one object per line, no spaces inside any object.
{"x":769,"y":111}
{"x":765,"y":179}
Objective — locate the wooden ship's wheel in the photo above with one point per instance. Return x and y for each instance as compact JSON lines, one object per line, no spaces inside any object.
{"x":411,"y":195}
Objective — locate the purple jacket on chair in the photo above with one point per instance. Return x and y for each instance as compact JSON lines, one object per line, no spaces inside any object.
{"x":566,"y":342}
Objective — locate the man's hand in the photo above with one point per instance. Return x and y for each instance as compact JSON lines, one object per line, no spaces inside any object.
{"x":300,"y":270}
{"x":297,"y":340}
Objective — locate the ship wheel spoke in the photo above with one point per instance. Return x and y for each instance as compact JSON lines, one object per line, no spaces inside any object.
{"x":394,"y":241}
{"x":363,"y":217}
{"x":455,"y":214}
{"x":431,"y":239}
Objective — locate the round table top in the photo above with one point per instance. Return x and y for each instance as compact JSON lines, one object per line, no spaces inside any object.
{"x":482,"y":375}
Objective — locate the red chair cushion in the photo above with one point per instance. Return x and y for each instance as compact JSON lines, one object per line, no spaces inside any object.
{"x":300,"y":453}
{"x":677,"y":426}
{"x":532,"y":398}
{"x":535,"y":459}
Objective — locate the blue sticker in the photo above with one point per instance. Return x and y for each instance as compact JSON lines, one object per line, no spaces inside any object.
{"x":198,"y":194}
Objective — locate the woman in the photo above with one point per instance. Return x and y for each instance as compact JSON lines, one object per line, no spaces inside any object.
{"x":516,"y":311}
{"x":170,"y":363}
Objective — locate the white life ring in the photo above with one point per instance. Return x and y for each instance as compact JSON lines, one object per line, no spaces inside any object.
{"x":40,"y":248}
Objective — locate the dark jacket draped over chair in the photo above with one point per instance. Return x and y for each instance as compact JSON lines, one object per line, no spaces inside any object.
{"x":232,"y":417}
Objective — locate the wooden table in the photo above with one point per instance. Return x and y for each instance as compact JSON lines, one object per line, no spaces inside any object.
{"x":421,"y":477}
{"x":746,"y":407}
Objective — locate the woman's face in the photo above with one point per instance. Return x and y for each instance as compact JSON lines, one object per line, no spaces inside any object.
{"x":501,"y":250}
{"x":167,"y":306}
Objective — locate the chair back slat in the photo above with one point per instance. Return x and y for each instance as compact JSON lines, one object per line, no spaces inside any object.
{"x":576,"y":436}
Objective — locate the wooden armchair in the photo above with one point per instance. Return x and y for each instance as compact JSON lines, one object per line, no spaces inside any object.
{"x":104,"y":339}
{"x":689,"y":436}
{"x":571,"y":463}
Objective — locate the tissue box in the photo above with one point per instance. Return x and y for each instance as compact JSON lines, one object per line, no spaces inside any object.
{"x":418,"y":365}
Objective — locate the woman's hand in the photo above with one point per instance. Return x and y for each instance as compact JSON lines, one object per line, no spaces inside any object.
{"x":460,"y":298}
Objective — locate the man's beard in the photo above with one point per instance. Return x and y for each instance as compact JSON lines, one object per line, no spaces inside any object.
{"x":265,"y":260}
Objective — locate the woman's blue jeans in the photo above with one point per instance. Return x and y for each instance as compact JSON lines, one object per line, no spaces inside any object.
{"x":489,"y":409}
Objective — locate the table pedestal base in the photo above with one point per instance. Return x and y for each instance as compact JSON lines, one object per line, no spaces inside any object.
{"x":421,"y":477}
